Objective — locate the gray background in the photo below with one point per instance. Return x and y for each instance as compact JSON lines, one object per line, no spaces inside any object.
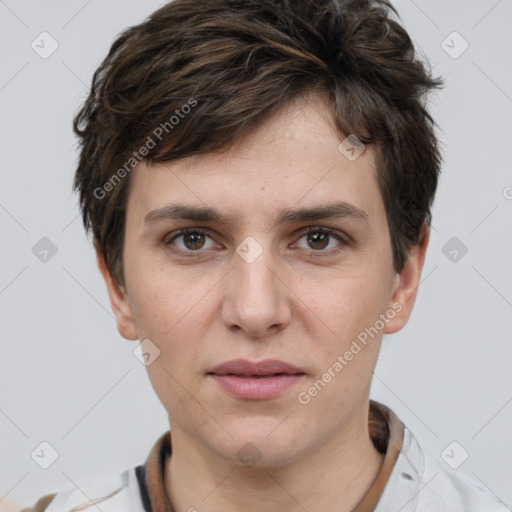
{"x":66,"y":375}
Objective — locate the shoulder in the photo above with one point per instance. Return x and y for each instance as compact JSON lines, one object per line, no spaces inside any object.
{"x":115,"y":493}
{"x":425,"y":483}
{"x":451,"y":490}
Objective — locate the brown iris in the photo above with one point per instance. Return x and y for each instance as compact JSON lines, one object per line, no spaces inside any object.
{"x":196,"y":240}
{"x":322,"y":239}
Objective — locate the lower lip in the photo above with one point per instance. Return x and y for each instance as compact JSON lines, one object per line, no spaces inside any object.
{"x":257,"y":388}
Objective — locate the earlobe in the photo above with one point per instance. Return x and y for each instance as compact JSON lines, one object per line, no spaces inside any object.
{"x":407,"y":281}
{"x":118,"y":300}
{"x":125,"y":334}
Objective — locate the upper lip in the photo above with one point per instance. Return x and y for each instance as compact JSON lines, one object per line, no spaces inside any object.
{"x":245,"y":367}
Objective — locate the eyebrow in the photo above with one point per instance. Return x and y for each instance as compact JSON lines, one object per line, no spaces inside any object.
{"x":337,"y":210}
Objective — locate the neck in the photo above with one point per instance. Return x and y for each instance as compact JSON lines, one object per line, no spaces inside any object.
{"x":331,"y":477}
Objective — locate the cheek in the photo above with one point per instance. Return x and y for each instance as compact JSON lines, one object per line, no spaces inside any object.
{"x":347,"y":350}
{"x":175,"y":313}
{"x":172,"y":316}
{"x":162,"y":300}
{"x":348,"y":304}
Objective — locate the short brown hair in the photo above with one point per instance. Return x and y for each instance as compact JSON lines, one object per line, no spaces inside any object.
{"x":233,"y":62}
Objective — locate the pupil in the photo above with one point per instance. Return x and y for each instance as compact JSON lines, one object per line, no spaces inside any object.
{"x":196,"y":241}
{"x":319,"y":238}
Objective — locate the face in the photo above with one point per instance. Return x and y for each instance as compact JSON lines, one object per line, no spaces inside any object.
{"x":286,"y":256}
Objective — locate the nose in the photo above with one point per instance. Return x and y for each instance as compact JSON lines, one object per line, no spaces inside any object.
{"x":257,"y":302}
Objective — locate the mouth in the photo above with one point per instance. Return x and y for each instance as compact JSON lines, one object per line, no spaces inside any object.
{"x":262,"y":380}
{"x":255,"y":376}
{"x":265,"y":368}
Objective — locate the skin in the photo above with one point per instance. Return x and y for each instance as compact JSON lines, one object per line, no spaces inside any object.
{"x":291,"y":304}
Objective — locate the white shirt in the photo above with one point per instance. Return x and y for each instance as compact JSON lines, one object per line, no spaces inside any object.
{"x":418,"y":482}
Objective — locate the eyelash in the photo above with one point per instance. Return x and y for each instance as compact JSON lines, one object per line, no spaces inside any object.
{"x":314,"y":229}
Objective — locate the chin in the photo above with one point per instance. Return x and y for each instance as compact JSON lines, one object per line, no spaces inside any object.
{"x":261,"y":446}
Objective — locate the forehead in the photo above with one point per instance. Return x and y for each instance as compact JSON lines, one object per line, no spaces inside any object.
{"x":291,"y":158}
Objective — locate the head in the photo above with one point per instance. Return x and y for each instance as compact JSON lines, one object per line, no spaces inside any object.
{"x":227,"y":117}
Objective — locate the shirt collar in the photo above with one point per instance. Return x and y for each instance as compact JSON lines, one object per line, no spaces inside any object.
{"x":386,"y":432}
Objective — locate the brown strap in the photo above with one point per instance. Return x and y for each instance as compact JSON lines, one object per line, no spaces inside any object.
{"x":41,"y":505}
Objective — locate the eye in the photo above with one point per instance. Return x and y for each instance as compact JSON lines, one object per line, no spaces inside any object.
{"x":192,"y":240}
{"x":320,"y":241}
{"x":321,"y":238}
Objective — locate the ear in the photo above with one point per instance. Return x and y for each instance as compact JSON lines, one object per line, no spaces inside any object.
{"x":406,"y":284}
{"x":118,"y":300}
